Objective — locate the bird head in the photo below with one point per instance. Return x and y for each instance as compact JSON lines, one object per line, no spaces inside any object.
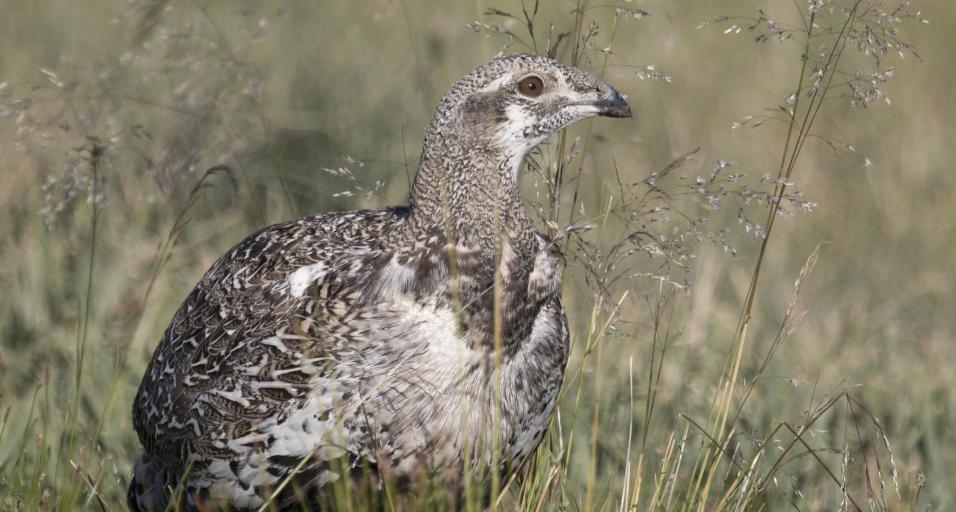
{"x":513,"y":103}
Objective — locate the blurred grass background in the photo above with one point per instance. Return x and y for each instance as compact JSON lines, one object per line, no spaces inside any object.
{"x":279,"y":92}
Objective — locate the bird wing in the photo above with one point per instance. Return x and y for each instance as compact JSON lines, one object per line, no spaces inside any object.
{"x":238,"y":349}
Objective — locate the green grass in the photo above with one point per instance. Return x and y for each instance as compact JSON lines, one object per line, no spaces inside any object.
{"x":816,"y":358}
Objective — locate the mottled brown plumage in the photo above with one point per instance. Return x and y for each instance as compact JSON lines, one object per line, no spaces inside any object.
{"x":368,"y":339}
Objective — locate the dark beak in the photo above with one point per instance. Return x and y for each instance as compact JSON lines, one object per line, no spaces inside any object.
{"x":613,"y":105}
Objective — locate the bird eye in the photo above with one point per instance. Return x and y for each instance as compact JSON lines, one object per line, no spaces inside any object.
{"x":531,"y":86}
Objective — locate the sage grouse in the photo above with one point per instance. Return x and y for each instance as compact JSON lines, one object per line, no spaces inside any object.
{"x":420,"y":340}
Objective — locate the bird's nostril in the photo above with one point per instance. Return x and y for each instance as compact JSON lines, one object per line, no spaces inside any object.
{"x":586,"y":88}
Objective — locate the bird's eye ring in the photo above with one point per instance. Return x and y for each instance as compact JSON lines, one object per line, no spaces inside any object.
{"x":531,"y":86}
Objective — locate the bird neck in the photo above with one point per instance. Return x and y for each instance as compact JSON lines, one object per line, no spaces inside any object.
{"x":467,"y":188}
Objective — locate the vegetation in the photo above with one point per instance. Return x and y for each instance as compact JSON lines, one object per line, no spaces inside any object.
{"x":738,"y":344}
